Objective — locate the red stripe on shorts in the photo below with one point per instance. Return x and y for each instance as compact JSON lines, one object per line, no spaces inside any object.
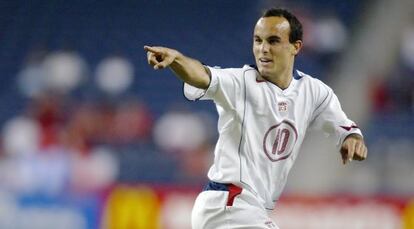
{"x":233,"y":192}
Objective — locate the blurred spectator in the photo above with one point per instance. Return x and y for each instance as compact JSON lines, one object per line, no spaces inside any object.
{"x":329,"y":35}
{"x":180,"y":132}
{"x":95,"y":171}
{"x":407,"y":55}
{"x":133,"y":123}
{"x":114,"y":75}
{"x":21,"y":135}
{"x":187,"y":136}
{"x":25,"y":169}
{"x":64,"y":70}
{"x":394,"y":95}
{"x":49,"y":112}
{"x":82,"y":128}
{"x":31,"y":76}
{"x":407,"y":48}
{"x":380,"y":96}
{"x":35,"y":173}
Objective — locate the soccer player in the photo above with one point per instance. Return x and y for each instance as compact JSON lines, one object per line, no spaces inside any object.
{"x":264,"y":113}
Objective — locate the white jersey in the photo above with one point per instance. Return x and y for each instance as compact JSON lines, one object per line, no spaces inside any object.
{"x":261,"y":127}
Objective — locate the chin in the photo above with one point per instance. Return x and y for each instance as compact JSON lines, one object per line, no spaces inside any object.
{"x":263,"y":73}
{"x":263,"y":70}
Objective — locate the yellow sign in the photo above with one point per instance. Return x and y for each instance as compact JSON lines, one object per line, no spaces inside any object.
{"x":408,"y":215}
{"x":131,"y":208}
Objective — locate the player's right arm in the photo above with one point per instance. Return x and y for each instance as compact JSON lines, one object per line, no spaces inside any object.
{"x":187,"y":69}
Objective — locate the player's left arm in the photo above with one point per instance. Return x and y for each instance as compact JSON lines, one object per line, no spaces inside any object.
{"x":331,"y":119}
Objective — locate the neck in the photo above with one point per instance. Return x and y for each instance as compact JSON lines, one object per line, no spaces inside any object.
{"x":282,"y":80}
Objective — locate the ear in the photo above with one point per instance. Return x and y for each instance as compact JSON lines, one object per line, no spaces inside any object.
{"x":297,"y":45}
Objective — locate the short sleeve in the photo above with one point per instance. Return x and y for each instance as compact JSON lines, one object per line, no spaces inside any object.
{"x":224,"y":88}
{"x":193,"y":93}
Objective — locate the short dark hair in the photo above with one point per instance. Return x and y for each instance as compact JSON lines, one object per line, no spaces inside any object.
{"x":296,"y":32}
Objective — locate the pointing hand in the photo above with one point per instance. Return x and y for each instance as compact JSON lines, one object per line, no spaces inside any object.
{"x":353,"y":148}
{"x":160,"y":57}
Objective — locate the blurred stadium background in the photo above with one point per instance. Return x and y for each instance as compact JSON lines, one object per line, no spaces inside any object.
{"x":92,"y":137}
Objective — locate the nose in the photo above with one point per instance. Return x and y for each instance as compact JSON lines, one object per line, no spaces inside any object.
{"x":264,"y":47}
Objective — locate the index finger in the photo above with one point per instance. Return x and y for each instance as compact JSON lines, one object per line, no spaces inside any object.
{"x":347,"y":151}
{"x":351,"y":152}
{"x":152,"y":49}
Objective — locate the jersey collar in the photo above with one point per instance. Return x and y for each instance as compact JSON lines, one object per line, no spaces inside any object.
{"x":295,"y":74}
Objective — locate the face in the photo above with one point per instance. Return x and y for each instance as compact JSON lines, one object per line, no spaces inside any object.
{"x":273,"y":52}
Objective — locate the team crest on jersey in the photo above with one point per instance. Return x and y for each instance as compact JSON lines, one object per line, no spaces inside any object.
{"x":270,"y":224}
{"x":279,"y":141}
{"x":282,"y":106}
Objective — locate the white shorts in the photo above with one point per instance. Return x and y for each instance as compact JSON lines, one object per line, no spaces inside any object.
{"x":218,"y":210}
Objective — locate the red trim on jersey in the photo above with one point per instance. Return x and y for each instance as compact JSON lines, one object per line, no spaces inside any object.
{"x":233,"y":192}
{"x":348,"y":128}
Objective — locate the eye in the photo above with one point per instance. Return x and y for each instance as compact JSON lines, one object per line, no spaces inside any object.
{"x":257,"y":40}
{"x":273,"y":41}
